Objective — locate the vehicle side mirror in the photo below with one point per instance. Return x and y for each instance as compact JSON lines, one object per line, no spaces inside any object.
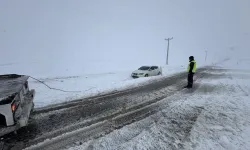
{"x":150,"y":70}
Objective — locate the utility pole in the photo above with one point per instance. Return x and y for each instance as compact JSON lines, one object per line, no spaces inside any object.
{"x":206,"y":56}
{"x":168,"y":39}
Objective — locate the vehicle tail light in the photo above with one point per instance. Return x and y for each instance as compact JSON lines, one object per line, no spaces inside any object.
{"x":13,"y":107}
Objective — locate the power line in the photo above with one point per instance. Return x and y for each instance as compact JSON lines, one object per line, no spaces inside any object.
{"x":52,"y":87}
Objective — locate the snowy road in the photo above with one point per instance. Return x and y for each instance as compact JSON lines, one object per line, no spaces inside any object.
{"x":155,"y":116}
{"x":215,"y":116}
{"x":53,"y":121}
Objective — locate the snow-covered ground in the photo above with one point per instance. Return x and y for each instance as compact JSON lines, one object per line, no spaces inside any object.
{"x":106,"y":41}
{"x":79,"y":86}
{"x":215,"y":116}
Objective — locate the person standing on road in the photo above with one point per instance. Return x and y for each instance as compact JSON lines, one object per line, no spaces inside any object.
{"x":191,"y":71}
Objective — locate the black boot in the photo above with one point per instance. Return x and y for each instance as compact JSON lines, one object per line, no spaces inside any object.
{"x":190,"y":86}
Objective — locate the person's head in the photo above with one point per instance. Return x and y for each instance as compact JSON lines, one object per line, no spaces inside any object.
{"x":191,"y":58}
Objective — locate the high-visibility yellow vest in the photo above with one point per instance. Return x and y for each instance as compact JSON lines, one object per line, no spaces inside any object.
{"x":194,"y":68}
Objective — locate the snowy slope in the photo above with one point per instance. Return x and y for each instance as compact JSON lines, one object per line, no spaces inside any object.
{"x":215,"y":116}
{"x":242,"y":63}
{"x":79,"y":86}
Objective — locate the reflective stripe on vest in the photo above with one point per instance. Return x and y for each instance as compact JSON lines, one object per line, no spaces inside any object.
{"x":194,"y":68}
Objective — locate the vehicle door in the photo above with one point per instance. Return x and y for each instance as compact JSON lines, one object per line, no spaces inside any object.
{"x":157,"y":70}
{"x":152,"y":71}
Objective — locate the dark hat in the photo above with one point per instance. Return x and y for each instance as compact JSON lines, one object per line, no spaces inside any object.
{"x":191,"y":57}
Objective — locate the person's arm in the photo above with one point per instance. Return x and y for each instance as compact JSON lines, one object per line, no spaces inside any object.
{"x":191,"y":67}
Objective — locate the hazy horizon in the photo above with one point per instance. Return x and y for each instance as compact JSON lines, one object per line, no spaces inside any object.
{"x":74,"y":35}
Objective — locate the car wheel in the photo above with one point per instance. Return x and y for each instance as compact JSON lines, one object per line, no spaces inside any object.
{"x":146,"y":75}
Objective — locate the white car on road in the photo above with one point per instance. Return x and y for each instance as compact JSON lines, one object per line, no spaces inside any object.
{"x":146,"y":71}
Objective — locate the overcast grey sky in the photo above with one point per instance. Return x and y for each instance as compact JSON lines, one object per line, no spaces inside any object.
{"x":121,"y":32}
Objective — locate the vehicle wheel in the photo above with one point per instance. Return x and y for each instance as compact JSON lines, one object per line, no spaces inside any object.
{"x":146,"y":75}
{"x":159,"y":73}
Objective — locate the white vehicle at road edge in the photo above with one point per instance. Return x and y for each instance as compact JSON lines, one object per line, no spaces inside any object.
{"x":146,"y":71}
{"x":16,"y":102}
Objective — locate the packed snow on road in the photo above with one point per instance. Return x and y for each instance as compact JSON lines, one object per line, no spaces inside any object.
{"x":213,"y":116}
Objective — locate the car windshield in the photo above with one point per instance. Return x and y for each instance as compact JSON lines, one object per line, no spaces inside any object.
{"x":144,"y":68}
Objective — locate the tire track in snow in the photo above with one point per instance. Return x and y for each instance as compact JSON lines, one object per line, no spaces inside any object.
{"x":179,"y":136}
{"x":57,"y":117}
{"x":134,"y":114}
{"x":179,"y":121}
{"x":147,"y":87}
{"x":115,"y":123}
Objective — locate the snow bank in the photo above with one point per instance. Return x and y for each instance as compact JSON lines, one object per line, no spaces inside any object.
{"x":79,"y":86}
{"x":236,"y":63}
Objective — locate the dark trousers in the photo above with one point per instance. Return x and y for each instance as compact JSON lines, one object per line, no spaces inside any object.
{"x":190,"y":80}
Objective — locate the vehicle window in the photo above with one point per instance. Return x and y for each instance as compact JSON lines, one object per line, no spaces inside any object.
{"x":152,"y":68}
{"x":144,"y":68}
